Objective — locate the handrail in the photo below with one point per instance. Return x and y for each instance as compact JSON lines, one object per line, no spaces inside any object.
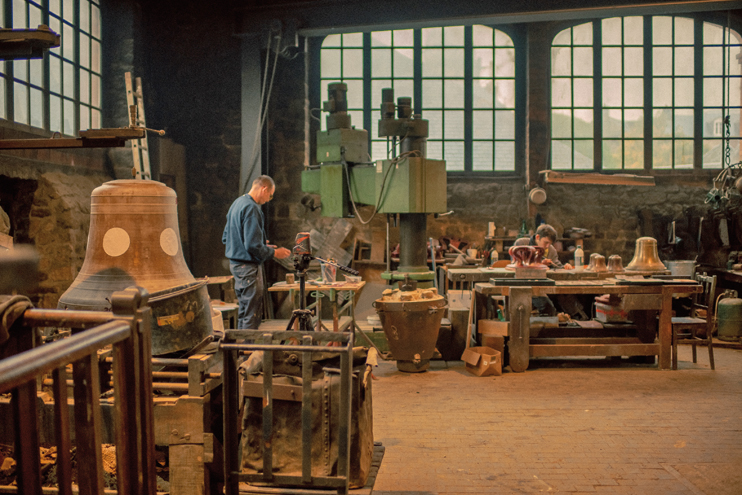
{"x":21,"y":368}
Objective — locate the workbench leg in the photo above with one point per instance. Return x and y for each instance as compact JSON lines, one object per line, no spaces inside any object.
{"x":665,"y":329}
{"x":520,"y":328}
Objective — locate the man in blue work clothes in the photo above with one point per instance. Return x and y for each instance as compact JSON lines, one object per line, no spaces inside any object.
{"x":246,"y":248}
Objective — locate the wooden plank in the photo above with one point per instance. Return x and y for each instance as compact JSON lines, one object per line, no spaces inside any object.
{"x":520,"y":310}
{"x":596,"y":178}
{"x":88,"y":425}
{"x":594,"y":350}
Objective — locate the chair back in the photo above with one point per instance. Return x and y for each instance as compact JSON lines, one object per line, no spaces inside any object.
{"x":703,"y":302}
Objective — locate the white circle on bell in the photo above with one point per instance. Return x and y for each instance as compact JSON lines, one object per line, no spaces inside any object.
{"x":169,"y":241}
{"x":116,"y":242}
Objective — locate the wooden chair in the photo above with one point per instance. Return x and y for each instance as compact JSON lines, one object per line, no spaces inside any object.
{"x":696,"y":329}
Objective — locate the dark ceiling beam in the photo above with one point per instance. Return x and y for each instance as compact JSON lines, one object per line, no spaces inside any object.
{"x":323,"y":17}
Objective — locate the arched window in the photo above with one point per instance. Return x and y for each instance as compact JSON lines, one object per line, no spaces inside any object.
{"x":60,"y":92}
{"x":644,"y":93}
{"x":461,"y":79}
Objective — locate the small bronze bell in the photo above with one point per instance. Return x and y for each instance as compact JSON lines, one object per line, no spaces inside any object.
{"x":646,"y":257}
{"x":597,"y":263}
{"x":614,"y":263}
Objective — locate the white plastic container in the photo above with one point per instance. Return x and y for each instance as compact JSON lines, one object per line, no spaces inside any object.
{"x":579,"y":258}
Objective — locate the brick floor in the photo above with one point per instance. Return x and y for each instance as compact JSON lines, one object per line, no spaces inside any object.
{"x":578,"y":427}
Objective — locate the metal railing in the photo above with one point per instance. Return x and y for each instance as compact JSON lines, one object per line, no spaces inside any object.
{"x":128,"y":331}
{"x":309,"y":344}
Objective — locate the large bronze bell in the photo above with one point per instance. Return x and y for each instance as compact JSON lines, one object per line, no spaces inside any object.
{"x":646,"y":257}
{"x":134,"y":240}
{"x":614,"y":263}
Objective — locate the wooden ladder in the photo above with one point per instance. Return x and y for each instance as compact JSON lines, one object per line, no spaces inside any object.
{"x":139,"y":147}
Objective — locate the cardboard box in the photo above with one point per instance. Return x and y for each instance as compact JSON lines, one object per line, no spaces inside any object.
{"x":493,"y":327}
{"x":482,"y":361}
{"x":608,"y":313}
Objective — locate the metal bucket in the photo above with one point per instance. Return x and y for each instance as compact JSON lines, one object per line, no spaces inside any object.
{"x":682,"y":268}
{"x":411,"y":329}
{"x":181,"y":317}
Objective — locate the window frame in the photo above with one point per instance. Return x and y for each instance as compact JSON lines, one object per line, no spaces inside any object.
{"x":371,"y":114}
{"x":697,"y":105}
{"x":59,"y":89}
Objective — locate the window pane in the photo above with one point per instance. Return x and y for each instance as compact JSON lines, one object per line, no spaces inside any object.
{"x":482,"y":127}
{"x":683,"y":31}
{"x":453,"y":124}
{"x":84,"y":51}
{"x":612,"y":61}
{"x":381,"y":38}
{"x":20,"y":103}
{"x":583,"y":34}
{"x":612,"y":31}
{"x":376,"y":86}
{"x":353,"y":39}
{"x":482,"y":35}
{"x":684,"y":61}
{"x":69,"y":117}
{"x":34,"y":16}
{"x":20,"y":70}
{"x":502,"y":39}
{"x":435,"y":150}
{"x":37,"y":105}
{"x":561,"y":92}
{"x":432,"y":37}
{"x":54,"y":7}
{"x":662,"y":123}
{"x":453,"y":62}
{"x":453,"y":36}
{"x":662,"y":154}
{"x":453,"y":153}
{"x":68,"y":9}
{"x":332,"y":40}
{"x":404,"y":87}
{"x":712,"y":92}
{"x":95,"y":97}
{"x":713,"y":123}
{"x":684,"y":122}
{"x":55,"y":114}
{"x":561,"y":155}
{"x":633,"y":61}
{"x":662,"y":30}
{"x":432,"y":93}
{"x":713,"y":64}
{"x":432,"y":62}
{"x":633,"y":92}
{"x":583,"y":92}
{"x":684,"y":91}
{"x":563,"y":38}
{"x":612,"y":92}
{"x":633,"y":123}
{"x":712,"y":34}
{"x":2,"y":98}
{"x":381,"y":63}
{"x":633,"y":154}
{"x":352,"y":63}
{"x":505,"y":62}
{"x":482,"y":93}
{"x":505,"y":124}
{"x":504,"y":156}
{"x":482,"y":155}
{"x":561,"y":61}
{"x":84,"y":15}
{"x":583,"y":61}
{"x":561,"y":123}
{"x":84,"y":86}
{"x":95,"y":21}
{"x":435,"y":123}
{"x":84,"y":117}
{"x":583,"y":123}
{"x":612,"y":154}
{"x":68,"y":42}
{"x":612,"y":123}
{"x":683,"y":153}
{"x":68,"y":81}
{"x":403,"y":37}
{"x":483,"y":59}
{"x":19,"y":14}
{"x":662,"y":61}
{"x":95,"y":119}
{"x":633,"y":30}
{"x":662,"y":92}
{"x":37,"y":71}
{"x":95,"y":56}
{"x":505,"y":93}
{"x":402,"y":63}
{"x":355,"y":94}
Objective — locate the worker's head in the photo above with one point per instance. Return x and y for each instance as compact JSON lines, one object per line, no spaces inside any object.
{"x":262,"y":189}
{"x":545,"y":236}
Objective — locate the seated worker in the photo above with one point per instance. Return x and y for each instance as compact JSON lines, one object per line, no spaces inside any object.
{"x":545,"y":237}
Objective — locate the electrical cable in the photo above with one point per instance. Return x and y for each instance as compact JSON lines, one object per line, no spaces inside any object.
{"x":263,"y":110}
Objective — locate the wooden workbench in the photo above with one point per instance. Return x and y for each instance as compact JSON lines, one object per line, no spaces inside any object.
{"x":654,"y":295}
